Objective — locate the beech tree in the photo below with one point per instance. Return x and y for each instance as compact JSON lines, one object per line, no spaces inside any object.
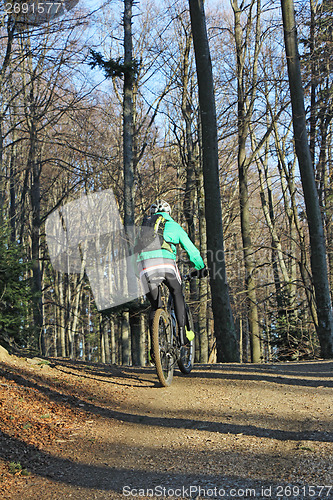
{"x":225,"y":332}
{"x":245,"y":103}
{"x":316,"y":230}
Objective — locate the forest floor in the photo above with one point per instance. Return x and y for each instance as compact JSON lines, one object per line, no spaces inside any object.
{"x":86,"y":431}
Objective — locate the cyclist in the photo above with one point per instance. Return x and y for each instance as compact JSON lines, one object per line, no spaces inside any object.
{"x":160,"y":265}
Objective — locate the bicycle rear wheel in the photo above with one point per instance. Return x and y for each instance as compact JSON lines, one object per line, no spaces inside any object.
{"x":162,"y":347}
{"x":186,"y":359}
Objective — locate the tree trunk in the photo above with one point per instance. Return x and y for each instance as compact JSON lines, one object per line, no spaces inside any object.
{"x":35,"y":244}
{"x":329,"y":225}
{"x":12,"y":191}
{"x":248,"y":251}
{"x":83,"y":344}
{"x":128,"y":143}
{"x":316,"y":231}
{"x":62,"y":322}
{"x":125,"y":339}
{"x":128,"y":117}
{"x":143,"y":337}
{"x":113,"y":342}
{"x":244,"y":117}
{"x":227,"y":347}
{"x":102,"y":340}
{"x":203,"y":285}
{"x":135,"y":336}
{"x":75,"y":308}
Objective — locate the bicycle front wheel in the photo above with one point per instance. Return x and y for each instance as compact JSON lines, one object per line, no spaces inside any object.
{"x":162,"y":347}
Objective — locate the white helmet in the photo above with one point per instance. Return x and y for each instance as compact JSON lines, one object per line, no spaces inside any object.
{"x":160,"y":206}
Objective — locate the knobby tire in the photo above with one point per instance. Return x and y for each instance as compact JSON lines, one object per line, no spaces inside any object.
{"x":186,"y":360}
{"x":161,"y":345}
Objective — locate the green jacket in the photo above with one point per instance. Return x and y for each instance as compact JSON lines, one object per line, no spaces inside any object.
{"x":175,"y":234}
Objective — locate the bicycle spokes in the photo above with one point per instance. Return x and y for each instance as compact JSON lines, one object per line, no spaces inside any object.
{"x":166,"y":346}
{"x":162,"y":347}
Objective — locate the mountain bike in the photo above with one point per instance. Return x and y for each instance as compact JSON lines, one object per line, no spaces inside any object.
{"x":166,"y":345}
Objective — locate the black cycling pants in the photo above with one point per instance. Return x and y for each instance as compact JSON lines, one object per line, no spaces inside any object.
{"x":154,"y":296}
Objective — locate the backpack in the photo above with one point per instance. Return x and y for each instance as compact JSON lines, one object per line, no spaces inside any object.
{"x":151,"y":234}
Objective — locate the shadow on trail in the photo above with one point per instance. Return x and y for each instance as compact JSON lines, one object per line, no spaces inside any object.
{"x":114,"y":479}
{"x":168,"y":422}
{"x":301,"y":375}
{"x":99,"y":373}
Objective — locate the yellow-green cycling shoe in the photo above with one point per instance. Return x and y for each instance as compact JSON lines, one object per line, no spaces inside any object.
{"x":189,"y":334}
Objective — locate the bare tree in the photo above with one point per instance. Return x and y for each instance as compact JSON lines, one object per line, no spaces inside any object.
{"x":245,"y":103}
{"x":227,"y":346}
{"x":316,"y":230}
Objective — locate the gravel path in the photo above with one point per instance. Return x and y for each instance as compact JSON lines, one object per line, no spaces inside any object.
{"x":225,"y":431}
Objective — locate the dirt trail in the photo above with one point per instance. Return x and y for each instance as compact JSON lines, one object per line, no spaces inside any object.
{"x":226,"y":431}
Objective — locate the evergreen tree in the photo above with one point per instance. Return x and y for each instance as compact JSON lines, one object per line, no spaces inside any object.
{"x":15,"y":293}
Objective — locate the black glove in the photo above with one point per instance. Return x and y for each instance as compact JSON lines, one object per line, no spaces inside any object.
{"x":199,"y":273}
